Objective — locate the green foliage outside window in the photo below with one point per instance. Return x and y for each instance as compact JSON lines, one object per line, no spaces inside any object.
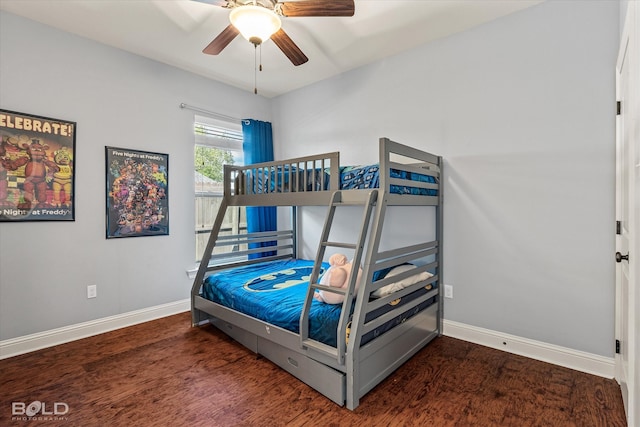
{"x":209,"y":161}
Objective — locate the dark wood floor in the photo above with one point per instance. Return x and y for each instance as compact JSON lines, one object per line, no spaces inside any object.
{"x":165,"y":373}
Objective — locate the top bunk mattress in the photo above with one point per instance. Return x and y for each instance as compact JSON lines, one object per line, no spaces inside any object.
{"x":368,"y":176}
{"x":292,"y":179}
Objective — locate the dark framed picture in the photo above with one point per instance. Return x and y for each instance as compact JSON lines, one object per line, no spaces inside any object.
{"x":37,"y":168}
{"x":137,"y":193}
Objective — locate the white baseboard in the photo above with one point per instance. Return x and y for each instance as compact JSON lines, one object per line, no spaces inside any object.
{"x":562,"y":356}
{"x":25,"y":344}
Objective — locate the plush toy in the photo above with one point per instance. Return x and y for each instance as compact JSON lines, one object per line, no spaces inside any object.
{"x":337,"y":276}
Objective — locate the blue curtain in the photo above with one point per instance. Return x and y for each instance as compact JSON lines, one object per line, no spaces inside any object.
{"x":257,"y":147}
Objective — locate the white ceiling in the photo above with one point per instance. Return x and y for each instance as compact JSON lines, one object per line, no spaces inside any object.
{"x":175,"y":32}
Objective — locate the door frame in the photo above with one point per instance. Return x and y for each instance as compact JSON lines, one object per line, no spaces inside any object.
{"x":630,"y":345}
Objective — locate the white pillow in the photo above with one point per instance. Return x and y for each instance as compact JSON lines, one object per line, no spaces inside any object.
{"x":396,"y":286}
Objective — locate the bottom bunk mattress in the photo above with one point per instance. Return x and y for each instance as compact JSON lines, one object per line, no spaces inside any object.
{"x":275,"y":292}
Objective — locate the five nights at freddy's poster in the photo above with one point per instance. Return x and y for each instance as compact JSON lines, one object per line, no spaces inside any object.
{"x":137,"y":193}
{"x":37,"y":169}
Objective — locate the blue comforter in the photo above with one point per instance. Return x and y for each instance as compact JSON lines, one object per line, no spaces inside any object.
{"x":363,"y":177}
{"x":274,"y":292}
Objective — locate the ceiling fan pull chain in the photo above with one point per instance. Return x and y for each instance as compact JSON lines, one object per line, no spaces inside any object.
{"x":260,"y":56}
{"x":255,"y":68}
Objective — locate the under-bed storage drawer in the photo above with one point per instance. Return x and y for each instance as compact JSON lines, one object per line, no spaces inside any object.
{"x":324,"y":379}
{"x":245,"y":338}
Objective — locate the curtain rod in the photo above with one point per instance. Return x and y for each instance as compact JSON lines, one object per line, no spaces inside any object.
{"x":212,"y":113}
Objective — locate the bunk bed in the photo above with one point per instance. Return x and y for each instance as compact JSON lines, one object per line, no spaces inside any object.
{"x":263,"y":296}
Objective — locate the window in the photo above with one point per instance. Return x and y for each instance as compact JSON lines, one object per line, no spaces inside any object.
{"x":215,"y":145}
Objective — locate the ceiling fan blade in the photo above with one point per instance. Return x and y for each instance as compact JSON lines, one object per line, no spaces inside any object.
{"x":289,"y":48}
{"x":319,"y":8}
{"x":222,"y":3}
{"x":224,"y":38}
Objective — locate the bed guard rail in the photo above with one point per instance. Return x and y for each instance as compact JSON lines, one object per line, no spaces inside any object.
{"x":249,"y":248}
{"x":424,"y":257}
{"x":416,"y":172}
{"x":302,"y":175}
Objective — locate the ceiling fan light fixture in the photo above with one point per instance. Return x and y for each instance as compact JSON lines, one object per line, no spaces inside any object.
{"x":255,"y":23}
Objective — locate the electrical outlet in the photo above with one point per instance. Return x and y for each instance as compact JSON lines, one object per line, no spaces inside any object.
{"x":448,"y":291}
{"x":92,"y":291}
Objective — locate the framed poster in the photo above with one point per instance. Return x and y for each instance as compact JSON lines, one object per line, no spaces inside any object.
{"x":137,"y":193}
{"x":37,"y":168}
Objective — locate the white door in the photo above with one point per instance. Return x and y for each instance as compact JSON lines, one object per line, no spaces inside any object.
{"x":627,"y":173}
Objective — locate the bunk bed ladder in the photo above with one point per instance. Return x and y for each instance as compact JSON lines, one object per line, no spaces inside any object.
{"x":196,"y":315}
{"x":337,"y":200}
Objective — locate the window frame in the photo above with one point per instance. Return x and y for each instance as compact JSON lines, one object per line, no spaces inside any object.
{"x":216,"y":134}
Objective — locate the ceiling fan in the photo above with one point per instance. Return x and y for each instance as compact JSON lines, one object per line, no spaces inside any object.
{"x":259,"y":20}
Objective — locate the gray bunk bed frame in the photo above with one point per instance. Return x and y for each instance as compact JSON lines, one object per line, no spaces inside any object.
{"x":348,"y":371}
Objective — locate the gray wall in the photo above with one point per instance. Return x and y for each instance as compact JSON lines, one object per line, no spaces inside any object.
{"x":522,"y":109}
{"x":117,"y":99}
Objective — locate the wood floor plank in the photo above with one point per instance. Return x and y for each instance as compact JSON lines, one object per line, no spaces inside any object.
{"x":166,"y":373}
